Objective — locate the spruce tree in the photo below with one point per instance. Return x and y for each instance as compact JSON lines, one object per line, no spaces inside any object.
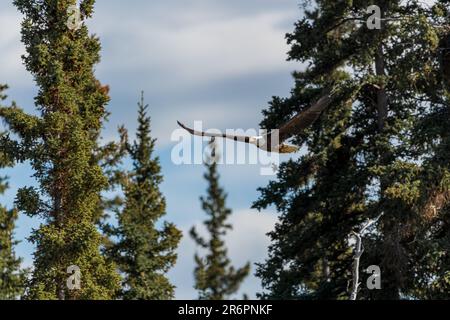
{"x":144,"y":253}
{"x":215,"y":278}
{"x":431,"y":137}
{"x":60,"y":142}
{"x":362,"y":157}
{"x":12,"y":276}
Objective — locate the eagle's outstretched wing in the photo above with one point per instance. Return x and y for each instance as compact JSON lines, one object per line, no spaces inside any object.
{"x":294,"y":126}
{"x":246,"y":139}
{"x":305,"y":118}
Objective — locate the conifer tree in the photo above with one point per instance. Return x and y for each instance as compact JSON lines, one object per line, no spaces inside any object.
{"x":60,"y":142}
{"x":144,"y":253}
{"x":215,"y":278}
{"x":12,"y":277}
{"x":362,"y":158}
{"x":431,"y":138}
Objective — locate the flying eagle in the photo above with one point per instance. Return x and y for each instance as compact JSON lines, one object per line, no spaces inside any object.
{"x":297,"y":124}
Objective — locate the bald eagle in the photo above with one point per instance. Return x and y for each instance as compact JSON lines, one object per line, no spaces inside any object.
{"x":296,"y":125}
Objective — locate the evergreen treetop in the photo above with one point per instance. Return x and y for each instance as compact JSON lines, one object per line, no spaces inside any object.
{"x":215,"y":277}
{"x":144,"y":253}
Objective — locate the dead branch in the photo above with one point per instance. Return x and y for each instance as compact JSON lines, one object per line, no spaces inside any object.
{"x":359,"y":249}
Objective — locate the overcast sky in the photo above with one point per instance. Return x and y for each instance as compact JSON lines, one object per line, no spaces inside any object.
{"x":210,"y":60}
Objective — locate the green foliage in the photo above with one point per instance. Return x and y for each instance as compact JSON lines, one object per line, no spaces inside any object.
{"x":61,"y":144}
{"x":381,"y":147}
{"x":215,"y":278}
{"x":143,"y":253}
{"x":12,"y":277}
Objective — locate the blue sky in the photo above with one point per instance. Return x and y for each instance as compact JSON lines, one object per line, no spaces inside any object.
{"x":210,"y":60}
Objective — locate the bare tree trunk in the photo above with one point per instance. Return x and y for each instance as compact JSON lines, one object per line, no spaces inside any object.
{"x":358,"y":253}
{"x":390,"y":231}
{"x":58,"y":218}
{"x":61,"y":291}
{"x":325,"y":269}
{"x":380,"y":70}
{"x":382,"y":98}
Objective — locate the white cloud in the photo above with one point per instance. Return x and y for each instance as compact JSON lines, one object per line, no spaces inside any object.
{"x":173,"y":51}
{"x":194,"y":53}
{"x":12,"y":70}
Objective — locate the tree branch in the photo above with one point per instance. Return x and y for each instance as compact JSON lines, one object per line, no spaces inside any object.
{"x":358,"y":253}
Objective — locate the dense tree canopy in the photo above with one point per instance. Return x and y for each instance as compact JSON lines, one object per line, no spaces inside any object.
{"x":382,"y":147}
